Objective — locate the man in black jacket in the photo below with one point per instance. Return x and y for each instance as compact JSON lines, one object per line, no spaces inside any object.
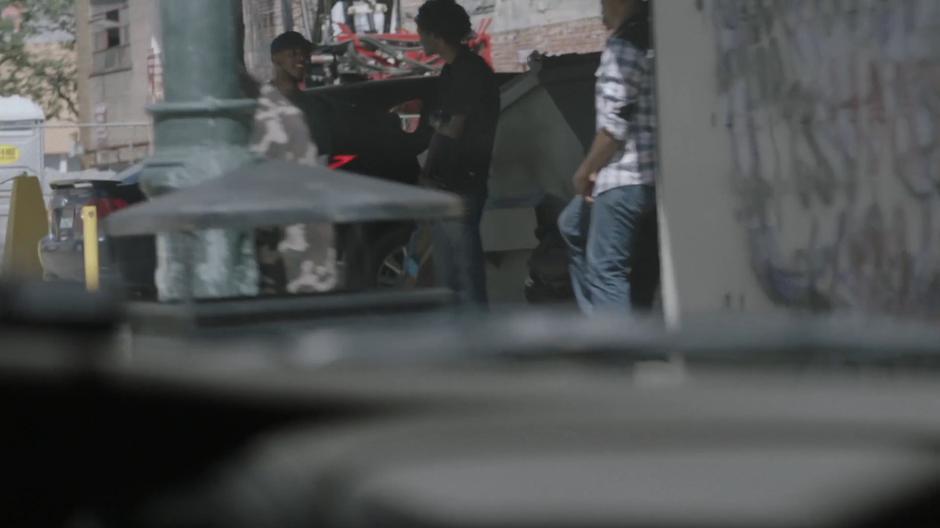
{"x":464,"y":122}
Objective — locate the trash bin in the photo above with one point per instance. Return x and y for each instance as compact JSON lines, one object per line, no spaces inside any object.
{"x":22,"y":149}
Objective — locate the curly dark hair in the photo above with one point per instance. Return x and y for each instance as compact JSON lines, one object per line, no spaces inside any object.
{"x":446,"y":19}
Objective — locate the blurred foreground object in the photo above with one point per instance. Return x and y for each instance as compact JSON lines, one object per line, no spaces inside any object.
{"x":274,"y":193}
{"x":26,"y":226}
{"x":474,"y":422}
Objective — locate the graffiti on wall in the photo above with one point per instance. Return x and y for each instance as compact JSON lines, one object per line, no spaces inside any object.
{"x":833,"y":112}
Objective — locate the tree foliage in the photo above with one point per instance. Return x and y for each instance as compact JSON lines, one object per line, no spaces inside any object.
{"x":37,"y":58}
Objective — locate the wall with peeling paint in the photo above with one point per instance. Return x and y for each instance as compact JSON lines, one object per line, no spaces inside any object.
{"x":512,"y":15}
{"x":801,"y":155}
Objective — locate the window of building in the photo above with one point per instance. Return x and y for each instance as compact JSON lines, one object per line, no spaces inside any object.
{"x":111,"y":33}
{"x":113,"y":37}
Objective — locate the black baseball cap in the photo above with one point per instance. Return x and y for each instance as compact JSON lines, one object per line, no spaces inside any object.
{"x":289,"y":41}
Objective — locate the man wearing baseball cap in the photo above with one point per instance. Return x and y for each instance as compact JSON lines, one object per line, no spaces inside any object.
{"x":297,"y":258}
{"x":290,"y":53}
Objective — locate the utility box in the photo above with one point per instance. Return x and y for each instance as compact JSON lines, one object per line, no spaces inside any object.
{"x":22,"y":149}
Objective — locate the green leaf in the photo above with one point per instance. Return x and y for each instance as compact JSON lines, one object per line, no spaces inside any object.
{"x":50,"y":81}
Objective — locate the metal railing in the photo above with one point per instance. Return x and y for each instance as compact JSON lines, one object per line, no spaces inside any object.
{"x":111,"y":59}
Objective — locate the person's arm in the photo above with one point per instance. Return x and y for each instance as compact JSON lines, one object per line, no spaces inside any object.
{"x":602,"y":152}
{"x":619,"y":86}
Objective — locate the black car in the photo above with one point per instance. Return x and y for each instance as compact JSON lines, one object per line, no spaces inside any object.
{"x":355,"y":130}
{"x":373,"y":128}
{"x":126,"y":263}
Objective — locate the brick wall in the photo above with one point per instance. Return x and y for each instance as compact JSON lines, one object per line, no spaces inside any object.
{"x":579,"y":36}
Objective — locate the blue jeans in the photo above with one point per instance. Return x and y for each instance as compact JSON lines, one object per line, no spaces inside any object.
{"x":613,"y":249}
{"x":458,"y":253}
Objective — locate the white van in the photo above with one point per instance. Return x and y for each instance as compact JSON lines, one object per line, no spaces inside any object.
{"x":22,"y":150}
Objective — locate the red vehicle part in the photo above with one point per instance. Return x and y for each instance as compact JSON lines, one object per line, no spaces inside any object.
{"x":386,"y":55}
{"x":341,"y":160}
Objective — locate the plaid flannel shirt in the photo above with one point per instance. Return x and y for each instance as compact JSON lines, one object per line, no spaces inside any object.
{"x":626,"y":109}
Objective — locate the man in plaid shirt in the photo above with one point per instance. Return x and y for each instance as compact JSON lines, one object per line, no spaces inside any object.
{"x":610,"y":226}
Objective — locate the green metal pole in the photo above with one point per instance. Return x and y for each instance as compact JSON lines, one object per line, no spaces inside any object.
{"x":202,"y":132}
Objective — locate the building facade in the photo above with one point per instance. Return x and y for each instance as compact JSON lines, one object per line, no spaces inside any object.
{"x":120,"y":70}
{"x":521,"y":27}
{"x":119,"y":74}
